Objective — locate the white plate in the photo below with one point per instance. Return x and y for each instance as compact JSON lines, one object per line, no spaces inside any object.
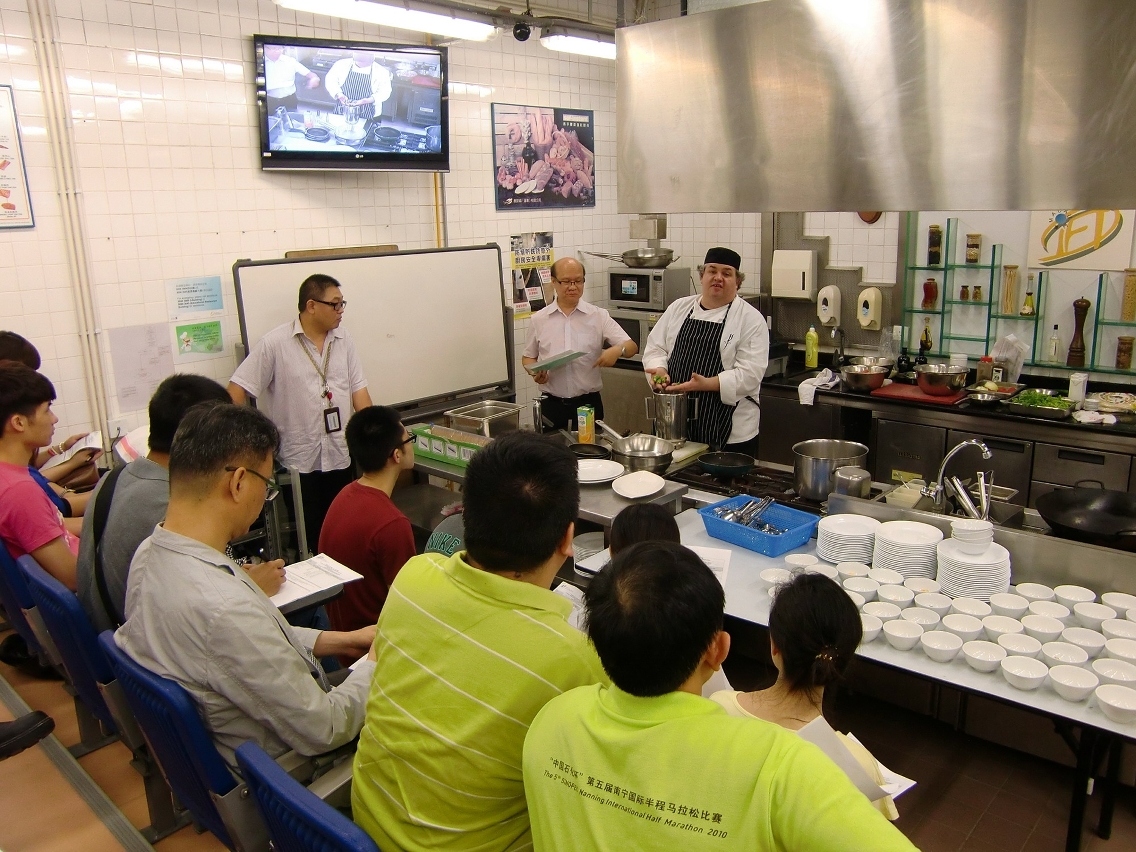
{"x":848,"y":525}
{"x":906,"y":533}
{"x":641,"y":483}
{"x":599,"y":470}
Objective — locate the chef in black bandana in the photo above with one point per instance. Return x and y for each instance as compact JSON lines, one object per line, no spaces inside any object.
{"x":715,"y":346}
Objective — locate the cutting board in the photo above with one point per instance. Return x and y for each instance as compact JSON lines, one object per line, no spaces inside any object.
{"x":911,"y":393}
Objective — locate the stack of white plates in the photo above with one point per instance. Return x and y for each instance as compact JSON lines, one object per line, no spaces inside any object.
{"x":907,"y":547}
{"x":973,"y":575}
{"x":846,"y":538}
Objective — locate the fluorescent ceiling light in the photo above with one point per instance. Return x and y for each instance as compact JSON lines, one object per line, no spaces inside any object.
{"x":578,"y":41}
{"x":441,"y":22}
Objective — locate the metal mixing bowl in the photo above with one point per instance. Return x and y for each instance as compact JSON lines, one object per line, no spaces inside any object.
{"x":940,"y":379}
{"x":871,"y":361}
{"x":985,"y":398}
{"x":863,"y":378}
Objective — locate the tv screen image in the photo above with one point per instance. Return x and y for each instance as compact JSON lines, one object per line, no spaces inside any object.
{"x":331,"y":104}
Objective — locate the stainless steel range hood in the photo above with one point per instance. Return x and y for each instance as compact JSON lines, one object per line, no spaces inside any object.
{"x":880,"y":105}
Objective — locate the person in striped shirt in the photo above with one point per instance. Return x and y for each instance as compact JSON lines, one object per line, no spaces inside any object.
{"x":469,"y":648}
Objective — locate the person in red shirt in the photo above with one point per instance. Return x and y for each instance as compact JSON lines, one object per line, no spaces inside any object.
{"x":364,"y":529}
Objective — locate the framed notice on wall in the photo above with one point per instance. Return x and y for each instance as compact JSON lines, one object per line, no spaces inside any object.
{"x":15,"y":199}
{"x":543,"y":157}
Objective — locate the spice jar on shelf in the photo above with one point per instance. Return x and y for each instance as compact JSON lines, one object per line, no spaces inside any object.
{"x":935,"y":245}
{"x":1128,"y":305}
{"x":1124,"y":353}
{"x":973,"y":247}
{"x":930,"y":294}
{"x":964,"y":293}
{"x":977,"y":295}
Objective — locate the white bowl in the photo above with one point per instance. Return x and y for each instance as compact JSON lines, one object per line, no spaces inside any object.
{"x":1118,"y":628}
{"x":852,"y":569}
{"x":775,"y":576}
{"x":1034,"y":592}
{"x":971,"y":526}
{"x":857,"y":598}
{"x":983,"y":656}
{"x":1050,"y":609}
{"x":800,"y":560}
{"x":940,"y":646}
{"x":966,"y":627}
{"x":934,"y":601}
{"x":1130,"y":615}
{"x":1093,"y":615}
{"x":1117,"y":702}
{"x":998,"y":625}
{"x":1090,"y":640}
{"x":863,"y":586}
{"x":1024,"y":673}
{"x":1073,"y":683}
{"x":1120,"y":601}
{"x":1121,"y":649}
{"x":969,"y":606}
{"x":882,"y":610}
{"x":1019,"y":645}
{"x":922,"y":616}
{"x":1063,"y":654}
{"x":897,"y":595}
{"x":902,"y":635}
{"x":1070,"y":596}
{"x":886,"y":577}
{"x":1013,"y":606}
{"x":922,"y":585}
{"x":1042,"y":627}
{"x":872,"y":627}
{"x":1114,"y":671}
{"x":973,"y":548}
{"x":825,"y":569}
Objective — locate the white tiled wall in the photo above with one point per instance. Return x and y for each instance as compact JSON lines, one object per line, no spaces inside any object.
{"x":163,"y":115}
{"x":853,"y":242}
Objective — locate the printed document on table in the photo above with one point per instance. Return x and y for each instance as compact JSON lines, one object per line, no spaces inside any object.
{"x":576,"y":617}
{"x":717,"y":559}
{"x":311,"y":576}
{"x":93,"y":441}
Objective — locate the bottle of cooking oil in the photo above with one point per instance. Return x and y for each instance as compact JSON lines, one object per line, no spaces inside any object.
{"x":1028,"y":308}
{"x":812,"y":348}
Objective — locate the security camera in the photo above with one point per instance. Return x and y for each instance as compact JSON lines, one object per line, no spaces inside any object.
{"x":521,"y":31}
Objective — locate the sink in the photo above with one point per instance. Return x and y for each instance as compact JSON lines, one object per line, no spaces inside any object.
{"x":1009,"y":515}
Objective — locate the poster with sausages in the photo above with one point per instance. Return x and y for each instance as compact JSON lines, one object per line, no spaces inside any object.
{"x":15,"y":200}
{"x":543,"y":157}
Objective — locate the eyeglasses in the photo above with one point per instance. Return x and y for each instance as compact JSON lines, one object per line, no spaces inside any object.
{"x":409,"y":439}
{"x":335,"y":306}
{"x":271,"y":487}
{"x":570,"y":282}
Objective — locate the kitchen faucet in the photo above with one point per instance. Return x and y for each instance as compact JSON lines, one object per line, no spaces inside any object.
{"x":839,"y":359}
{"x":936,"y":491}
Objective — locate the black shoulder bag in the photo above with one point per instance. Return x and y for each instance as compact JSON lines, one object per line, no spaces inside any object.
{"x":102,"y":512}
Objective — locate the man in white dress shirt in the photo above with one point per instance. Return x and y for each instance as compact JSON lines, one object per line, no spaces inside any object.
{"x":572,"y":325}
{"x":715,"y":346}
{"x":280,"y":71}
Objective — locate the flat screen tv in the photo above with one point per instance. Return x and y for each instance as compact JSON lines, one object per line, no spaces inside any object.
{"x":331,"y":104}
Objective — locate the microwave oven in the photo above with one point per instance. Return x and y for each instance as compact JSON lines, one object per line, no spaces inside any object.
{"x":637,"y":324}
{"x":647,"y":289}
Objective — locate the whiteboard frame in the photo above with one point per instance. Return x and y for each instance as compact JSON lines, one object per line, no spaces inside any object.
{"x":495,"y":389}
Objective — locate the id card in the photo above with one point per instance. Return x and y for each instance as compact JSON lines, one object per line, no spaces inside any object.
{"x":331,"y":422}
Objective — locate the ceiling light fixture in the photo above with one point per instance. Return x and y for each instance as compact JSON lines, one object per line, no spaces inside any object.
{"x":571,"y":40}
{"x":416,"y":16}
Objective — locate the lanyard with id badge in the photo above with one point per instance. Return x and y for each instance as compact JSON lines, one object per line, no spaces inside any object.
{"x":331,"y":419}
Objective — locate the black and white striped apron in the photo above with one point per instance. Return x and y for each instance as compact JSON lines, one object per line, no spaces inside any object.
{"x":358,"y":86}
{"x":698,"y":349}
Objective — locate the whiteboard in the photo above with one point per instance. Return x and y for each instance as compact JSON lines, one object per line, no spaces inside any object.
{"x":426,"y":323}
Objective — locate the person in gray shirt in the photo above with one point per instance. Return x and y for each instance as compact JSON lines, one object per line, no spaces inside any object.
{"x":138,"y":504}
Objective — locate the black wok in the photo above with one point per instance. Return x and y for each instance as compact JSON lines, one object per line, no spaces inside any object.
{"x":726,"y":464}
{"x":1092,"y":515}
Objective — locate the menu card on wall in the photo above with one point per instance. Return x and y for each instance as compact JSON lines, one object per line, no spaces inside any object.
{"x":15,"y":199}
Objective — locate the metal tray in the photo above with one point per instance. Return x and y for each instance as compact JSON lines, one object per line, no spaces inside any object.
{"x":1001,"y":394}
{"x":1040,"y":410}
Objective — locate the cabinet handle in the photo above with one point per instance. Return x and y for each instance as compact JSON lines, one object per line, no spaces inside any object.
{"x":1007,"y":446}
{"x":1076,"y":456}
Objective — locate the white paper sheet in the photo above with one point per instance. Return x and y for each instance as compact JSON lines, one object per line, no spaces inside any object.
{"x":819,"y":733}
{"x":894,"y":783}
{"x":93,"y":441}
{"x":142,"y":358}
{"x":717,"y":559}
{"x":311,"y":576}
{"x":576,"y":617}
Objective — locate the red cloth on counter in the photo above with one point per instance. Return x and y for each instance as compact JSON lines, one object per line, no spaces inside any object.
{"x":366,"y":532}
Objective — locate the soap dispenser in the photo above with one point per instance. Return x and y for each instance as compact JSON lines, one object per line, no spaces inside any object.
{"x":868,"y":308}
{"x":828,"y":305}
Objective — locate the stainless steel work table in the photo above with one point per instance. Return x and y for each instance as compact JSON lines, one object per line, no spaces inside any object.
{"x":598,"y":503}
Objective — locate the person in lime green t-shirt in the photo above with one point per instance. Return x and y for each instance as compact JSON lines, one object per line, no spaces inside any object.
{"x":647,"y":763}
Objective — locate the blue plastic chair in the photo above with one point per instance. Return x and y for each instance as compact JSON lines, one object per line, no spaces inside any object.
{"x":298,"y":820}
{"x":184,"y":749}
{"x":16,"y":597}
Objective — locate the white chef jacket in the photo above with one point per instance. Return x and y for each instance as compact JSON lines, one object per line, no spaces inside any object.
{"x":586,"y":329}
{"x":280,"y":76}
{"x":744,"y":348}
{"x":380,"y":80}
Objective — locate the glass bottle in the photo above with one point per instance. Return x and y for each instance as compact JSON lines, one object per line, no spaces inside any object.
{"x":977,"y":295}
{"x":1010,"y":289}
{"x":1128,"y":304}
{"x":930,"y":294}
{"x":964,"y":293}
{"x":926,"y":344}
{"x":1028,"y":308}
{"x":903,"y":362}
{"x":935,"y":245}
{"x":1053,"y":348}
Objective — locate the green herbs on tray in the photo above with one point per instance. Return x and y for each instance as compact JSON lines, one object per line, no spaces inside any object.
{"x":1042,"y":400}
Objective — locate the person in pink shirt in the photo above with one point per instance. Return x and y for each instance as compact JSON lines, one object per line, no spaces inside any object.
{"x":29,"y":521}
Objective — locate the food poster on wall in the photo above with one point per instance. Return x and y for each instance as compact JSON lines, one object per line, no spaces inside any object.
{"x":1081,"y":239}
{"x":194,"y":341}
{"x":15,"y":197}
{"x":543,"y":157}
{"x":530,"y":256}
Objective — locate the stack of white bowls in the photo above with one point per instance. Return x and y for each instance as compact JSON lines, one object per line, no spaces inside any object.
{"x":907,"y":547}
{"x":972,"y":536}
{"x":846,"y":538}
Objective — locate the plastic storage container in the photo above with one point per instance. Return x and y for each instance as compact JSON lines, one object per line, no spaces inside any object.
{"x":799,"y":527}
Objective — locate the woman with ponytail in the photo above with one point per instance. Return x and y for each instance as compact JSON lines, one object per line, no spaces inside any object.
{"x":814,"y":630}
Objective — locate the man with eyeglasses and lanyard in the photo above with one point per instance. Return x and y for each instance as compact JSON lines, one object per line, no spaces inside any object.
{"x":572,"y":325}
{"x":306,"y":375}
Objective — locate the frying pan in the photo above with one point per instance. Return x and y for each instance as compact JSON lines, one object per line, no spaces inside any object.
{"x":1093,"y":515}
{"x":726,"y":464}
{"x":585,"y":451}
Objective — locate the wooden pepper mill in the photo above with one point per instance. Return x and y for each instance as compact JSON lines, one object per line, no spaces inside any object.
{"x":1077,"y":345}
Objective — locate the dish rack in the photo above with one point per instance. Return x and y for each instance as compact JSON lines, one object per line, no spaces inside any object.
{"x":798,"y":526}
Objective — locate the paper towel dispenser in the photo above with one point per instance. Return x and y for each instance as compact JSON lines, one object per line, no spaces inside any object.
{"x":794,"y":274}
